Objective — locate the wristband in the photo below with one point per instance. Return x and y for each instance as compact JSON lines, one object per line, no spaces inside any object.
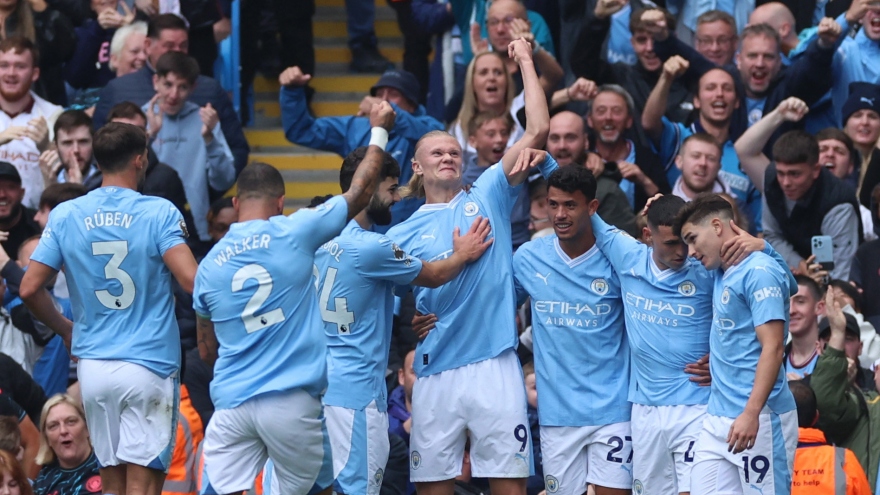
{"x":379,"y":137}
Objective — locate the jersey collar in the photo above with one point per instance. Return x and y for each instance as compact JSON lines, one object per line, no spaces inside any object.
{"x":577,"y":261}
{"x":440,"y":206}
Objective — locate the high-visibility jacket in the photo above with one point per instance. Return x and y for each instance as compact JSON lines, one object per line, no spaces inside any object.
{"x":183,"y":473}
{"x":822,"y":469}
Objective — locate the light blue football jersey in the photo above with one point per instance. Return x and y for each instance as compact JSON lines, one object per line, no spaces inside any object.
{"x":582,"y":359}
{"x":747,"y":295}
{"x":476,"y":311}
{"x":257,"y":286}
{"x":357,"y":273}
{"x":668,"y":318}
{"x":110,"y":243}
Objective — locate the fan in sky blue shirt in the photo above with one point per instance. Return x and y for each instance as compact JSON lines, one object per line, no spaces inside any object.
{"x":111,"y":243}
{"x":257,"y":286}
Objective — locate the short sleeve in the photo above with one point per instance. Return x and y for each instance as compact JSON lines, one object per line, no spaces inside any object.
{"x":320,"y":224}
{"x":492,"y":185}
{"x":171,"y":228}
{"x":766,"y":292}
{"x":48,"y":251}
{"x":385,"y":260}
{"x":199,"y":304}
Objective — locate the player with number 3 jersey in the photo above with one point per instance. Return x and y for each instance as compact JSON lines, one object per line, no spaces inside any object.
{"x":119,"y":250}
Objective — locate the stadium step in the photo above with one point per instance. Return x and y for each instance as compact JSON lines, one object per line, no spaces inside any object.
{"x":338,"y":92}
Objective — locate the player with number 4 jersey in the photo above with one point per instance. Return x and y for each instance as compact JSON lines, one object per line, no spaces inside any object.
{"x":258,"y":318}
{"x":119,"y":250}
{"x":357,"y":272}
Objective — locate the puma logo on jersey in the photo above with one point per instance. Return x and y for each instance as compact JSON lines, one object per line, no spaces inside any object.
{"x":543,"y":277}
{"x":429,"y":236}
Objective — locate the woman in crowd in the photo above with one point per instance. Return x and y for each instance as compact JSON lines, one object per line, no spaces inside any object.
{"x":488,"y":88}
{"x":127,"y":53}
{"x":69,"y":464}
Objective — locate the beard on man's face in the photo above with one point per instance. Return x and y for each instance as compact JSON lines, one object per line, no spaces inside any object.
{"x":379,"y":212}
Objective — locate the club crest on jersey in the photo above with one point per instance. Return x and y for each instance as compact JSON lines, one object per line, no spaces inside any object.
{"x":415,"y":460}
{"x":687,"y":288}
{"x":185,"y":232}
{"x":599,"y":286}
{"x":400,"y":254}
{"x":377,"y":478}
{"x":551,"y":483}
{"x":638,"y":487}
{"x":471,"y":209}
{"x":725,"y":296}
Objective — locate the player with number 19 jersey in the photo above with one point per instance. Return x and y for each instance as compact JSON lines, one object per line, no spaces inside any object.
{"x":110,"y":243}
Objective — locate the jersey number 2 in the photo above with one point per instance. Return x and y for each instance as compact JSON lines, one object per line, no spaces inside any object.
{"x":253,"y":321}
{"x":118,"y":251}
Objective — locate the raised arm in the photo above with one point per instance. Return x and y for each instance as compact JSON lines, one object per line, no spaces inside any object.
{"x":749,"y":147}
{"x":551,"y":71}
{"x":363,"y":184}
{"x":325,"y":133}
{"x":581,"y":90}
{"x":537,"y":115}
{"x":655,"y":107}
{"x":586,"y":58}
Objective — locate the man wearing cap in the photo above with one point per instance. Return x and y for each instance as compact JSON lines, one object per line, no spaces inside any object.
{"x":17,"y":222}
{"x":341,"y":135}
{"x":861,"y":122}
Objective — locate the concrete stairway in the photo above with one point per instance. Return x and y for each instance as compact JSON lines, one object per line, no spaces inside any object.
{"x":309,"y":172}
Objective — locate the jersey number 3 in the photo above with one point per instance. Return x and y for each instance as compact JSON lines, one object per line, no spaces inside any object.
{"x":118,"y":251}
{"x":253,"y":321}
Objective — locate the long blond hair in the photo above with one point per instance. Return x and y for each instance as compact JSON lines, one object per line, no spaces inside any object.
{"x":46,"y":455}
{"x":469,"y":106}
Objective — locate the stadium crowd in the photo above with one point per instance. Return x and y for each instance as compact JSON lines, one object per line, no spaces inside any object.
{"x":582,"y":246}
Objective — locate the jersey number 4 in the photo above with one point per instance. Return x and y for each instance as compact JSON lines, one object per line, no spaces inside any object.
{"x":253,"y":321}
{"x":118,"y":251}
{"x":341,"y":316}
